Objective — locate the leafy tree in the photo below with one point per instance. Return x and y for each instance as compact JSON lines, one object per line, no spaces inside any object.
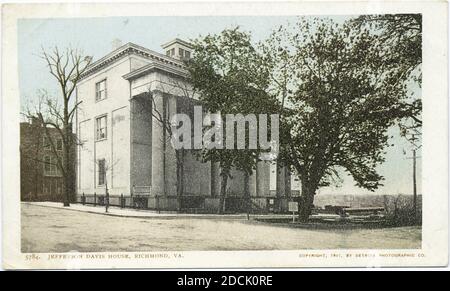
{"x":401,"y":36}
{"x":400,"y":40}
{"x":341,"y":99}
{"x":231,"y":78}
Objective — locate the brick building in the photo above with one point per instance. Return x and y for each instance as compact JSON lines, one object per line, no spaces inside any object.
{"x":40,"y":177}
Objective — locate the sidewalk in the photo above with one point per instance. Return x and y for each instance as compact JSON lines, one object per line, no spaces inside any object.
{"x":141,"y":213}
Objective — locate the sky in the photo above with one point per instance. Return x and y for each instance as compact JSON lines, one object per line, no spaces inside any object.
{"x":94,"y":36}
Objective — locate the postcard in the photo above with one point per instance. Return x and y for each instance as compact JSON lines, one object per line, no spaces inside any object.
{"x":225,"y":135}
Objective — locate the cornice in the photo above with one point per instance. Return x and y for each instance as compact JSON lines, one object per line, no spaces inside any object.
{"x":181,"y":72}
{"x":126,"y":50}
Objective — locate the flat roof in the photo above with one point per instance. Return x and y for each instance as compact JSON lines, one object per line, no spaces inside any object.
{"x":176,"y":40}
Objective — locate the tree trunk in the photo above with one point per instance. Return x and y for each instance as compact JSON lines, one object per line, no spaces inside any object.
{"x":305,"y":208}
{"x":223,"y":191}
{"x":67,"y":179}
{"x":66,"y":193}
{"x":180,"y":176}
{"x":247,"y":194}
{"x":414,"y":188}
{"x":106,"y":197}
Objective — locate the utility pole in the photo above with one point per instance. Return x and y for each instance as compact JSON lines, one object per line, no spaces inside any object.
{"x":414,"y":185}
{"x":414,"y":158}
{"x":413,"y":135}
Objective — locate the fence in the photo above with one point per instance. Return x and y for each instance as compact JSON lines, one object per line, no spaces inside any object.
{"x":188,"y":203}
{"x":121,"y":201}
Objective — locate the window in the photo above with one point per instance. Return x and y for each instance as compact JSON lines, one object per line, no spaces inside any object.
{"x":59,"y":144}
{"x":101,"y":127}
{"x":187,"y":54}
{"x":100,"y":90}
{"x":45,"y":142}
{"x":47,"y":165}
{"x":50,"y":166}
{"x":101,"y":172}
{"x":181,"y":52}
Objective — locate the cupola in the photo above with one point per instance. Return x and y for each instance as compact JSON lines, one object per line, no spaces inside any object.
{"x":178,"y":49}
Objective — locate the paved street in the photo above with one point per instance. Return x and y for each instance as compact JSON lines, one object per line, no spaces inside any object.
{"x":46,"y":229}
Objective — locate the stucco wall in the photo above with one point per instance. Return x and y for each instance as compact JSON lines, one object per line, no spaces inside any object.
{"x":115,"y":149}
{"x":141,"y":142}
{"x":197,"y":176}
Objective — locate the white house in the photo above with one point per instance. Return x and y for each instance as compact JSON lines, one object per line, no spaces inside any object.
{"x":123,"y":147}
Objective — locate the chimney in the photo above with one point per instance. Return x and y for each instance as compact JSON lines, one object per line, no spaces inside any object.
{"x":178,"y":49}
{"x":116,"y":43}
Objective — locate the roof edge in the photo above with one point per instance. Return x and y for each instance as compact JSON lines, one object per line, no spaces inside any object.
{"x":181,"y":72}
{"x":183,"y":42}
{"x":129,"y":49}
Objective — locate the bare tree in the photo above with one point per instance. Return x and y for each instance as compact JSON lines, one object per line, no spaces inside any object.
{"x":67,"y":67}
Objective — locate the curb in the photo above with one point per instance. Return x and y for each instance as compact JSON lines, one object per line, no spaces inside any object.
{"x":224,"y":217}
